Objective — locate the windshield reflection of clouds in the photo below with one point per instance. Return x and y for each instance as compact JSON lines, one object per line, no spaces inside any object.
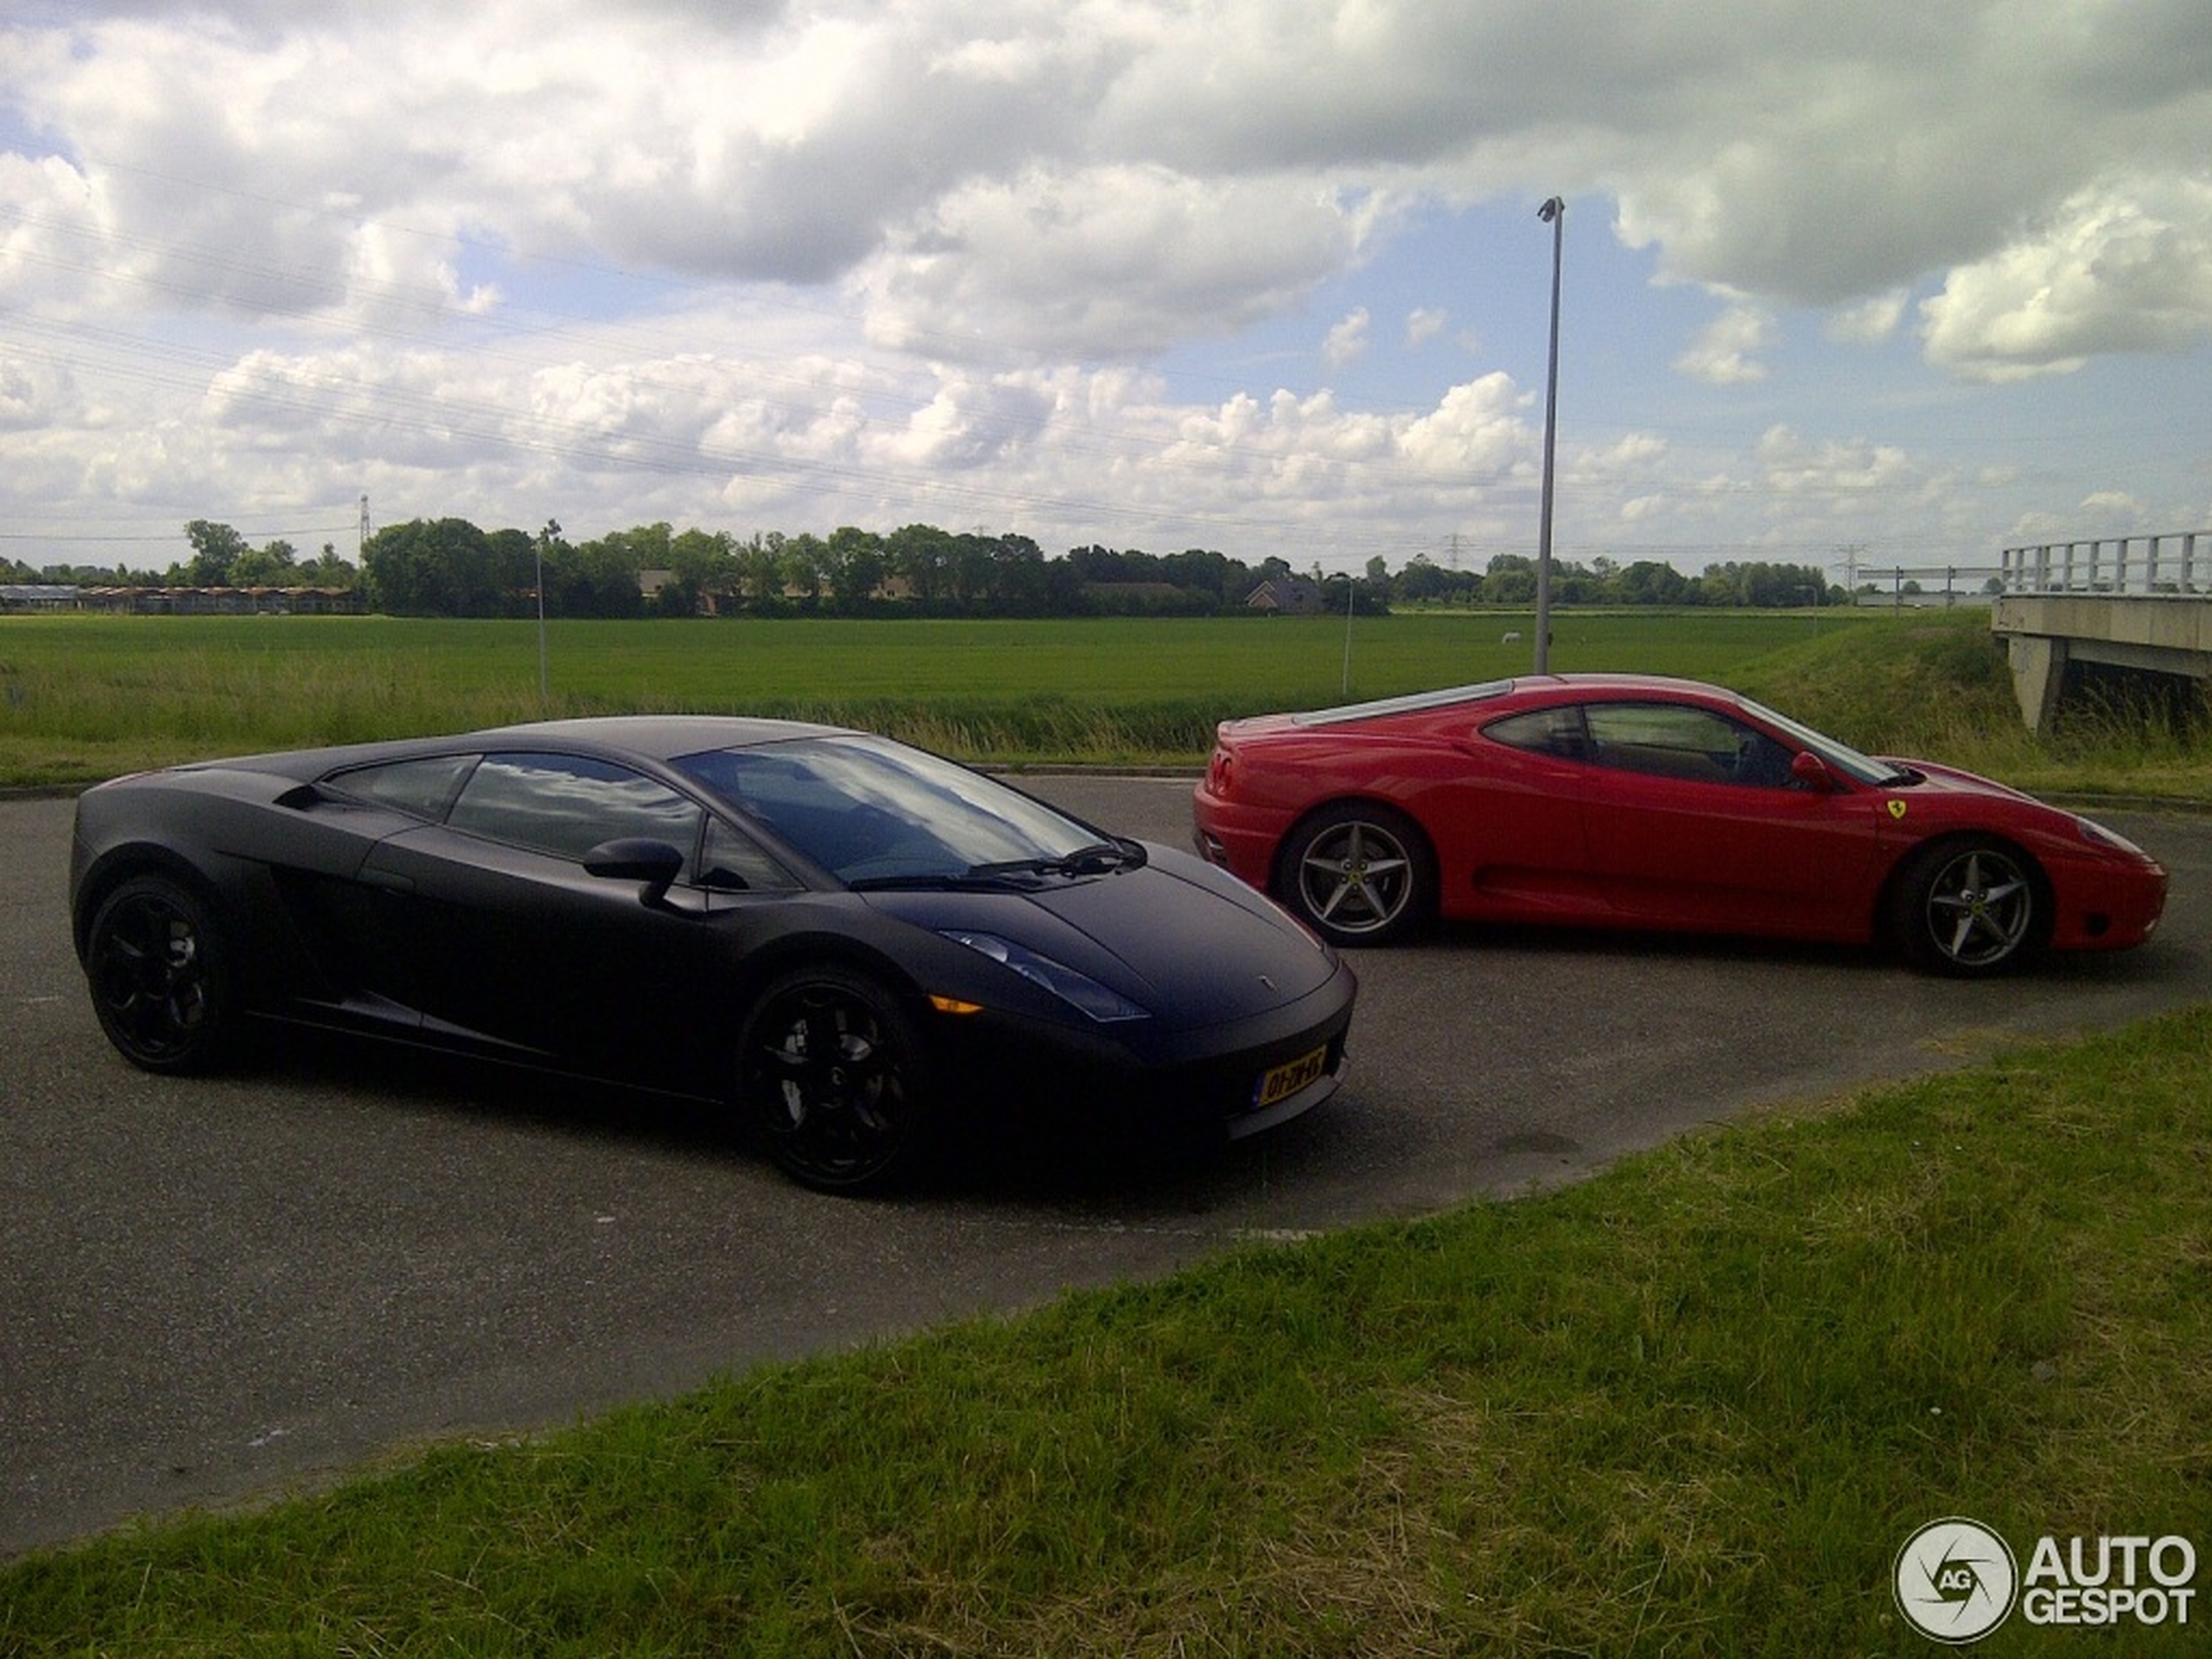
{"x":864,"y":806}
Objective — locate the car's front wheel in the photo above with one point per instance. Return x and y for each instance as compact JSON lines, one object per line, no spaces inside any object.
{"x":832,"y":1078}
{"x":1358,"y":873}
{"x":1968,"y":908}
{"x":159,"y":978}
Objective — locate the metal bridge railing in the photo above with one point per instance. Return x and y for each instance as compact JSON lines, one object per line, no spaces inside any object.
{"x":2175,"y":564}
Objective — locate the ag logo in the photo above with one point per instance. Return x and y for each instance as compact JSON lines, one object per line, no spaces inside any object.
{"x":1955,"y":1579}
{"x":1897,"y":809}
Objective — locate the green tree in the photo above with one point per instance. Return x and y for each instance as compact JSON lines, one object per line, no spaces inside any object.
{"x":856,"y":566}
{"x":922,"y":554}
{"x":273,"y":566}
{"x":329,"y":570}
{"x":1651,"y":582}
{"x":215,"y":550}
{"x":426,"y":568}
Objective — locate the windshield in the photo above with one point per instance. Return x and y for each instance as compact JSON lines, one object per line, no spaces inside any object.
{"x":1841,"y":757}
{"x":872,"y":812}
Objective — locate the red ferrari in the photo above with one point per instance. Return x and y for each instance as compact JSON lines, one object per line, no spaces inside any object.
{"x":1620,"y":801}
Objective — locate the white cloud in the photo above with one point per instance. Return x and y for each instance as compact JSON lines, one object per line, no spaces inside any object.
{"x":1348,"y":340}
{"x":1425,"y":323}
{"x":838,"y":257}
{"x":1870,"y":321}
{"x":1726,"y":354}
{"x":2122,"y":267}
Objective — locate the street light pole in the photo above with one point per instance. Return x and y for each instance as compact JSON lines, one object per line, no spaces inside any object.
{"x":1553,"y":213}
{"x":544,"y":539}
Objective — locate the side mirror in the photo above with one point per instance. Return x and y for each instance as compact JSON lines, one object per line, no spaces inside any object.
{"x":633,"y":859}
{"x":1809,"y":771}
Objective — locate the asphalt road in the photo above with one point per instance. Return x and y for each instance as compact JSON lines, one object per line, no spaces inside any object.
{"x":214,"y":1290}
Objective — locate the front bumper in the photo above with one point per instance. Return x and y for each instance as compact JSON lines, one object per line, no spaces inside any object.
{"x":1206,"y":1084}
{"x":2103,"y":905}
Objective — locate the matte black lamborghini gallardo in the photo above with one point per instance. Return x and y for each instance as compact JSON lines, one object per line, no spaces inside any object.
{"x":845,"y":937}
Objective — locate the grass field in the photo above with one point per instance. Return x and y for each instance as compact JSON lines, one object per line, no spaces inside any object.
{"x":85,"y":698}
{"x":82,"y":696}
{"x":1691,"y":1406}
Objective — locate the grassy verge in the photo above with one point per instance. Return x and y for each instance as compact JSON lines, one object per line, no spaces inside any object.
{"x":85,"y":697}
{"x":1937,"y":685}
{"x":1692,"y":1405}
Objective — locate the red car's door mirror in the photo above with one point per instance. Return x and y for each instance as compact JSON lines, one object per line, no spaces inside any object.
{"x":1810,"y":771}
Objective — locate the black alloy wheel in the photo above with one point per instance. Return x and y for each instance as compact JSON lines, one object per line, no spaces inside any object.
{"x":1359,"y":874}
{"x":831,"y":1079}
{"x":159,"y":978}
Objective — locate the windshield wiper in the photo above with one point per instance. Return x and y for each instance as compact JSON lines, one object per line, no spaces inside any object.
{"x":982,"y":881}
{"x":1095,"y":860}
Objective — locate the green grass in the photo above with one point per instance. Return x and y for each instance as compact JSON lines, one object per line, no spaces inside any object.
{"x":1693,"y":1406}
{"x":85,"y":698}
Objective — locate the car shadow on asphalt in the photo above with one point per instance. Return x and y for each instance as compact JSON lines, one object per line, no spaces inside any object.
{"x":1008,"y":1155}
{"x":2145,"y":963}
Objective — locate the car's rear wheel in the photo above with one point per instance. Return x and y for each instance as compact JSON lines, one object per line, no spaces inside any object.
{"x":831,"y":1077}
{"x":159,"y":978}
{"x":1968,"y":908}
{"x":1358,"y":873}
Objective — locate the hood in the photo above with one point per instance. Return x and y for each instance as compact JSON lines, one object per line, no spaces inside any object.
{"x":1187,"y":942}
{"x":1951,"y":780}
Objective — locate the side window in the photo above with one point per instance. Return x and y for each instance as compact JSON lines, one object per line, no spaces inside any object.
{"x":730,"y":859}
{"x":566,"y":805}
{"x":1676,"y":741}
{"x":423,"y":787}
{"x":1546,"y":731}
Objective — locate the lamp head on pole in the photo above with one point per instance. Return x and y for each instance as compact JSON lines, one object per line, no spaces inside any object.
{"x":1552,"y":209}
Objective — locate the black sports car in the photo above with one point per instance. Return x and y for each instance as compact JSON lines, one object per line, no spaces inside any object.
{"x":845,"y":937}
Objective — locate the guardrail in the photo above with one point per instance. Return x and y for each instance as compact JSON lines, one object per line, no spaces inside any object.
{"x":2176,"y":565}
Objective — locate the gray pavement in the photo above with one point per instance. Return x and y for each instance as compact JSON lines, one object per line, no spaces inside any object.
{"x":212,"y":1291}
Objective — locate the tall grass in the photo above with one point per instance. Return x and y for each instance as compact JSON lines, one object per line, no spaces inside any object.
{"x":1939,"y":686}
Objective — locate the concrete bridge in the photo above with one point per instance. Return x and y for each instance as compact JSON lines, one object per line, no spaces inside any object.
{"x":2139,"y":604}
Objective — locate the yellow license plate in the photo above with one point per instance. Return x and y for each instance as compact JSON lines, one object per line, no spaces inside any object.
{"x":1287,"y":1080}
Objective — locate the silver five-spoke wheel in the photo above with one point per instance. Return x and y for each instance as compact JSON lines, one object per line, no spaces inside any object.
{"x":1968,"y":908}
{"x":1358,"y":874}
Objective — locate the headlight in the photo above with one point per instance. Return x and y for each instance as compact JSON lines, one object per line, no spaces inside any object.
{"x":1077,"y":990}
{"x":2092,"y":831}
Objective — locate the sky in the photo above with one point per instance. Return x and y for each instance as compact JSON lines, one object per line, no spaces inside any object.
{"x":1843,"y":285}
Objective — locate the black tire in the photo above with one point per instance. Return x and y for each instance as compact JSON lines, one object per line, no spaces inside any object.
{"x":1358,"y":873}
{"x":831,"y":1076}
{"x":1969,"y":907}
{"x":160,"y":977}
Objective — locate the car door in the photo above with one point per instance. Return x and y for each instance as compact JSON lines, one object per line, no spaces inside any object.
{"x":1693,"y":819}
{"x":1515,"y":844}
{"x":521,"y":952}
{"x":324,"y":946}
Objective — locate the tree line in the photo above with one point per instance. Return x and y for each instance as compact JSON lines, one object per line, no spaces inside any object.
{"x":450,"y":567}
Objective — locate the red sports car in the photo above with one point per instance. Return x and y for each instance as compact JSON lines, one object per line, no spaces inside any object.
{"x":1620,"y":801}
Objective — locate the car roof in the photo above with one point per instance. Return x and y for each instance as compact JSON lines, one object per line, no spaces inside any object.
{"x":659,"y":738}
{"x":655,"y":736}
{"x":1526,"y":688}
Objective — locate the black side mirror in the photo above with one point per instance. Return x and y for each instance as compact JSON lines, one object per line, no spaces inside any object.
{"x":634,"y":859}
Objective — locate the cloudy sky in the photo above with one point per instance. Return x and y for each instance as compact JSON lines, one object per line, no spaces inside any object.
{"x":1266,"y":276}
